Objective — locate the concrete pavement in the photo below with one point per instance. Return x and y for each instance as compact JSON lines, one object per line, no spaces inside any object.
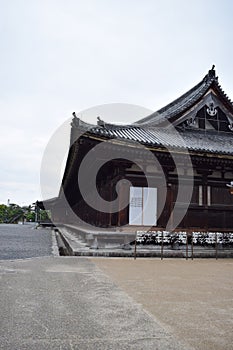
{"x":69,"y":303}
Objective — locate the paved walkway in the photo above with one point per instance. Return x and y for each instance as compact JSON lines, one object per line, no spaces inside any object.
{"x":69,"y":303}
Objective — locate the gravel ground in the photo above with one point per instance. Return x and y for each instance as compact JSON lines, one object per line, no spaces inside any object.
{"x":23,"y":241}
{"x":192,"y":299}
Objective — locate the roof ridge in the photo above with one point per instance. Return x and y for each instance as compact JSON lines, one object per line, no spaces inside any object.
{"x":114,"y":126}
{"x":204,"y":84}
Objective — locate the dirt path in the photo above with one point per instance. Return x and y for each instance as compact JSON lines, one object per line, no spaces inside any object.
{"x":193,"y":299}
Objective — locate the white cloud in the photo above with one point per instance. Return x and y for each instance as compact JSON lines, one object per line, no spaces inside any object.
{"x":62,"y":56}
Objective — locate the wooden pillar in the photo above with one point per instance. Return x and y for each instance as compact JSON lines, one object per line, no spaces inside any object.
{"x":123,"y":196}
{"x":205,"y":204}
{"x":170,"y":203}
{"x":110,"y":188}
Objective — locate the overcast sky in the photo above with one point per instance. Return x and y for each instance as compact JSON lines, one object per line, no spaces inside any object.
{"x":60,"y":56}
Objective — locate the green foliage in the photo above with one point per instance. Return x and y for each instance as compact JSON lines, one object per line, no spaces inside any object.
{"x":43,"y":215}
{"x":3,"y":212}
{"x":9,"y":213}
{"x":14,"y":213}
{"x":29,"y":213}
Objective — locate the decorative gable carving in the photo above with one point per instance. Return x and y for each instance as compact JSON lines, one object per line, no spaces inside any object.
{"x":208,"y":114}
{"x":207,"y":94}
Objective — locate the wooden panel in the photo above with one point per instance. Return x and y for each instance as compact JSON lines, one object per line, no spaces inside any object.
{"x":220,"y":195}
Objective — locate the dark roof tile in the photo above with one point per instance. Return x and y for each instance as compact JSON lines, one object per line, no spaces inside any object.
{"x":193,"y":140}
{"x":149,"y":130}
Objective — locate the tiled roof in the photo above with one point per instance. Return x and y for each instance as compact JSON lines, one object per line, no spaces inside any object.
{"x":152,"y":131}
{"x":218,"y":143}
{"x":193,"y":140}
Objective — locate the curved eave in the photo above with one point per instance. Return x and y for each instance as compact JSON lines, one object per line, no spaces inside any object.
{"x":47,"y":203}
{"x":160,"y":147}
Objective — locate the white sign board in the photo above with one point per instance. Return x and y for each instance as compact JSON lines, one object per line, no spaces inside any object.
{"x":143,"y":206}
{"x":149,"y":206}
{"x":135,"y":206}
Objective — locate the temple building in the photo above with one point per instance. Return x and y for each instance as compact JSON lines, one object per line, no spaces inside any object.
{"x":169,"y":170}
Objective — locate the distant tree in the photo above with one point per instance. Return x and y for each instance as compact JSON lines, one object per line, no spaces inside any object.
{"x":8,"y":213}
{"x":13,"y":211}
{"x":44,"y":215}
{"x":3,"y":213}
{"x":29,"y":213}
